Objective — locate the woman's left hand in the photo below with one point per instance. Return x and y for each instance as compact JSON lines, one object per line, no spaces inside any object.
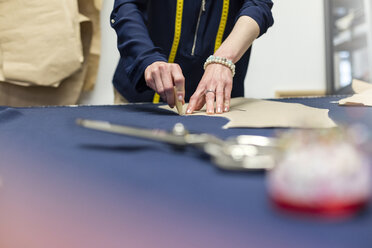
{"x":214,"y":87}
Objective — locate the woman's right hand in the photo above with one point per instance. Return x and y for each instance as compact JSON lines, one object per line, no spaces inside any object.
{"x":162,"y":77}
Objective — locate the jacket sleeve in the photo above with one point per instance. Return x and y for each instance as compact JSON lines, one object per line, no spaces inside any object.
{"x":134,"y":42}
{"x":260,"y":11}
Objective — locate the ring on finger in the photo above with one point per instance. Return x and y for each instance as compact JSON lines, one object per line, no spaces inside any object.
{"x":210,"y":90}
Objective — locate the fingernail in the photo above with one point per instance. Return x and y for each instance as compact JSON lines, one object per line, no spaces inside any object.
{"x":219,"y":110}
{"x":226,"y":109}
{"x":210,"y":111}
{"x":188,"y":111}
{"x":180,"y":98}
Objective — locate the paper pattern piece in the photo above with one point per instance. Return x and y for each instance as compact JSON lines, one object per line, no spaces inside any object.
{"x":92,"y":9}
{"x":49,"y":50}
{"x":363,"y":96}
{"x":360,"y":86}
{"x":40,"y":44}
{"x":255,"y":113}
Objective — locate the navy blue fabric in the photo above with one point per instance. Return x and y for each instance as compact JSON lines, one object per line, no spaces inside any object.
{"x":145,"y":31}
{"x":68,"y":153}
{"x":8,"y":114}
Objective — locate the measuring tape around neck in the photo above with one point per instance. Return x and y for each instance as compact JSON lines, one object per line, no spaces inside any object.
{"x":177,"y":33}
{"x":223,"y":20}
{"x":176,"y":40}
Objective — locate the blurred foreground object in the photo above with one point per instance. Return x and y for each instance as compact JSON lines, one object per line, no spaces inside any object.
{"x":49,"y":50}
{"x":323,"y":173}
{"x":241,"y":153}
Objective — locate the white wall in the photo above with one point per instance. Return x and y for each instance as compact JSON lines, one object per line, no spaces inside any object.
{"x":291,"y":56}
{"x":368,"y":4}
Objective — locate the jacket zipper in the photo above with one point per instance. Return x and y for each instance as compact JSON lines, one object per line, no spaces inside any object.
{"x":202,"y":9}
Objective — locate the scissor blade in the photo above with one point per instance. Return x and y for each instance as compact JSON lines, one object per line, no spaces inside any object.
{"x":152,"y":134}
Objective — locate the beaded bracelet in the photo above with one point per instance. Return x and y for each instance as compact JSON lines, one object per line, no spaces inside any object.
{"x":223,"y":61}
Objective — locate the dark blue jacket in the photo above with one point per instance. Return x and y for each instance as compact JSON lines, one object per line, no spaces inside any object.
{"x":145,"y":30}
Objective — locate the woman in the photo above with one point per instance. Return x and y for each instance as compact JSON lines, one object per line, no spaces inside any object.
{"x":169,"y":43}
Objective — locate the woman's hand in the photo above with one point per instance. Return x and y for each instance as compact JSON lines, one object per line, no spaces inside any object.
{"x":162,"y":77}
{"x":216,"y":83}
{"x":214,"y":87}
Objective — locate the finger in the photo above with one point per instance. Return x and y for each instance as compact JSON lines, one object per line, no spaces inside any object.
{"x":199,"y":103}
{"x":219,"y":98}
{"x":210,"y":96}
{"x":149,"y":80}
{"x":227,"y":93}
{"x":195,"y":101}
{"x":179,"y":82}
{"x":158,"y":83}
{"x":167,"y":84}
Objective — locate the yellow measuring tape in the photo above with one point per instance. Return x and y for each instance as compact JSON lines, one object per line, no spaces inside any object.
{"x":221,"y":28}
{"x":176,"y":40}
{"x":177,"y":33}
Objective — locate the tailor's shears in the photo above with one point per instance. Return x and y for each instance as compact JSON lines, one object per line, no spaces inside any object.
{"x":244,"y":152}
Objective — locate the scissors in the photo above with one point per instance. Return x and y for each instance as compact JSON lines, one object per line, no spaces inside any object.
{"x":243,"y":152}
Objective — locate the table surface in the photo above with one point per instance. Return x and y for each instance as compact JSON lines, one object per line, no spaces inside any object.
{"x":66,"y":186}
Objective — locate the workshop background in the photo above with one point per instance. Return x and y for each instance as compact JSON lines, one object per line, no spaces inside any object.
{"x":313,"y":49}
{"x":294,"y":50}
